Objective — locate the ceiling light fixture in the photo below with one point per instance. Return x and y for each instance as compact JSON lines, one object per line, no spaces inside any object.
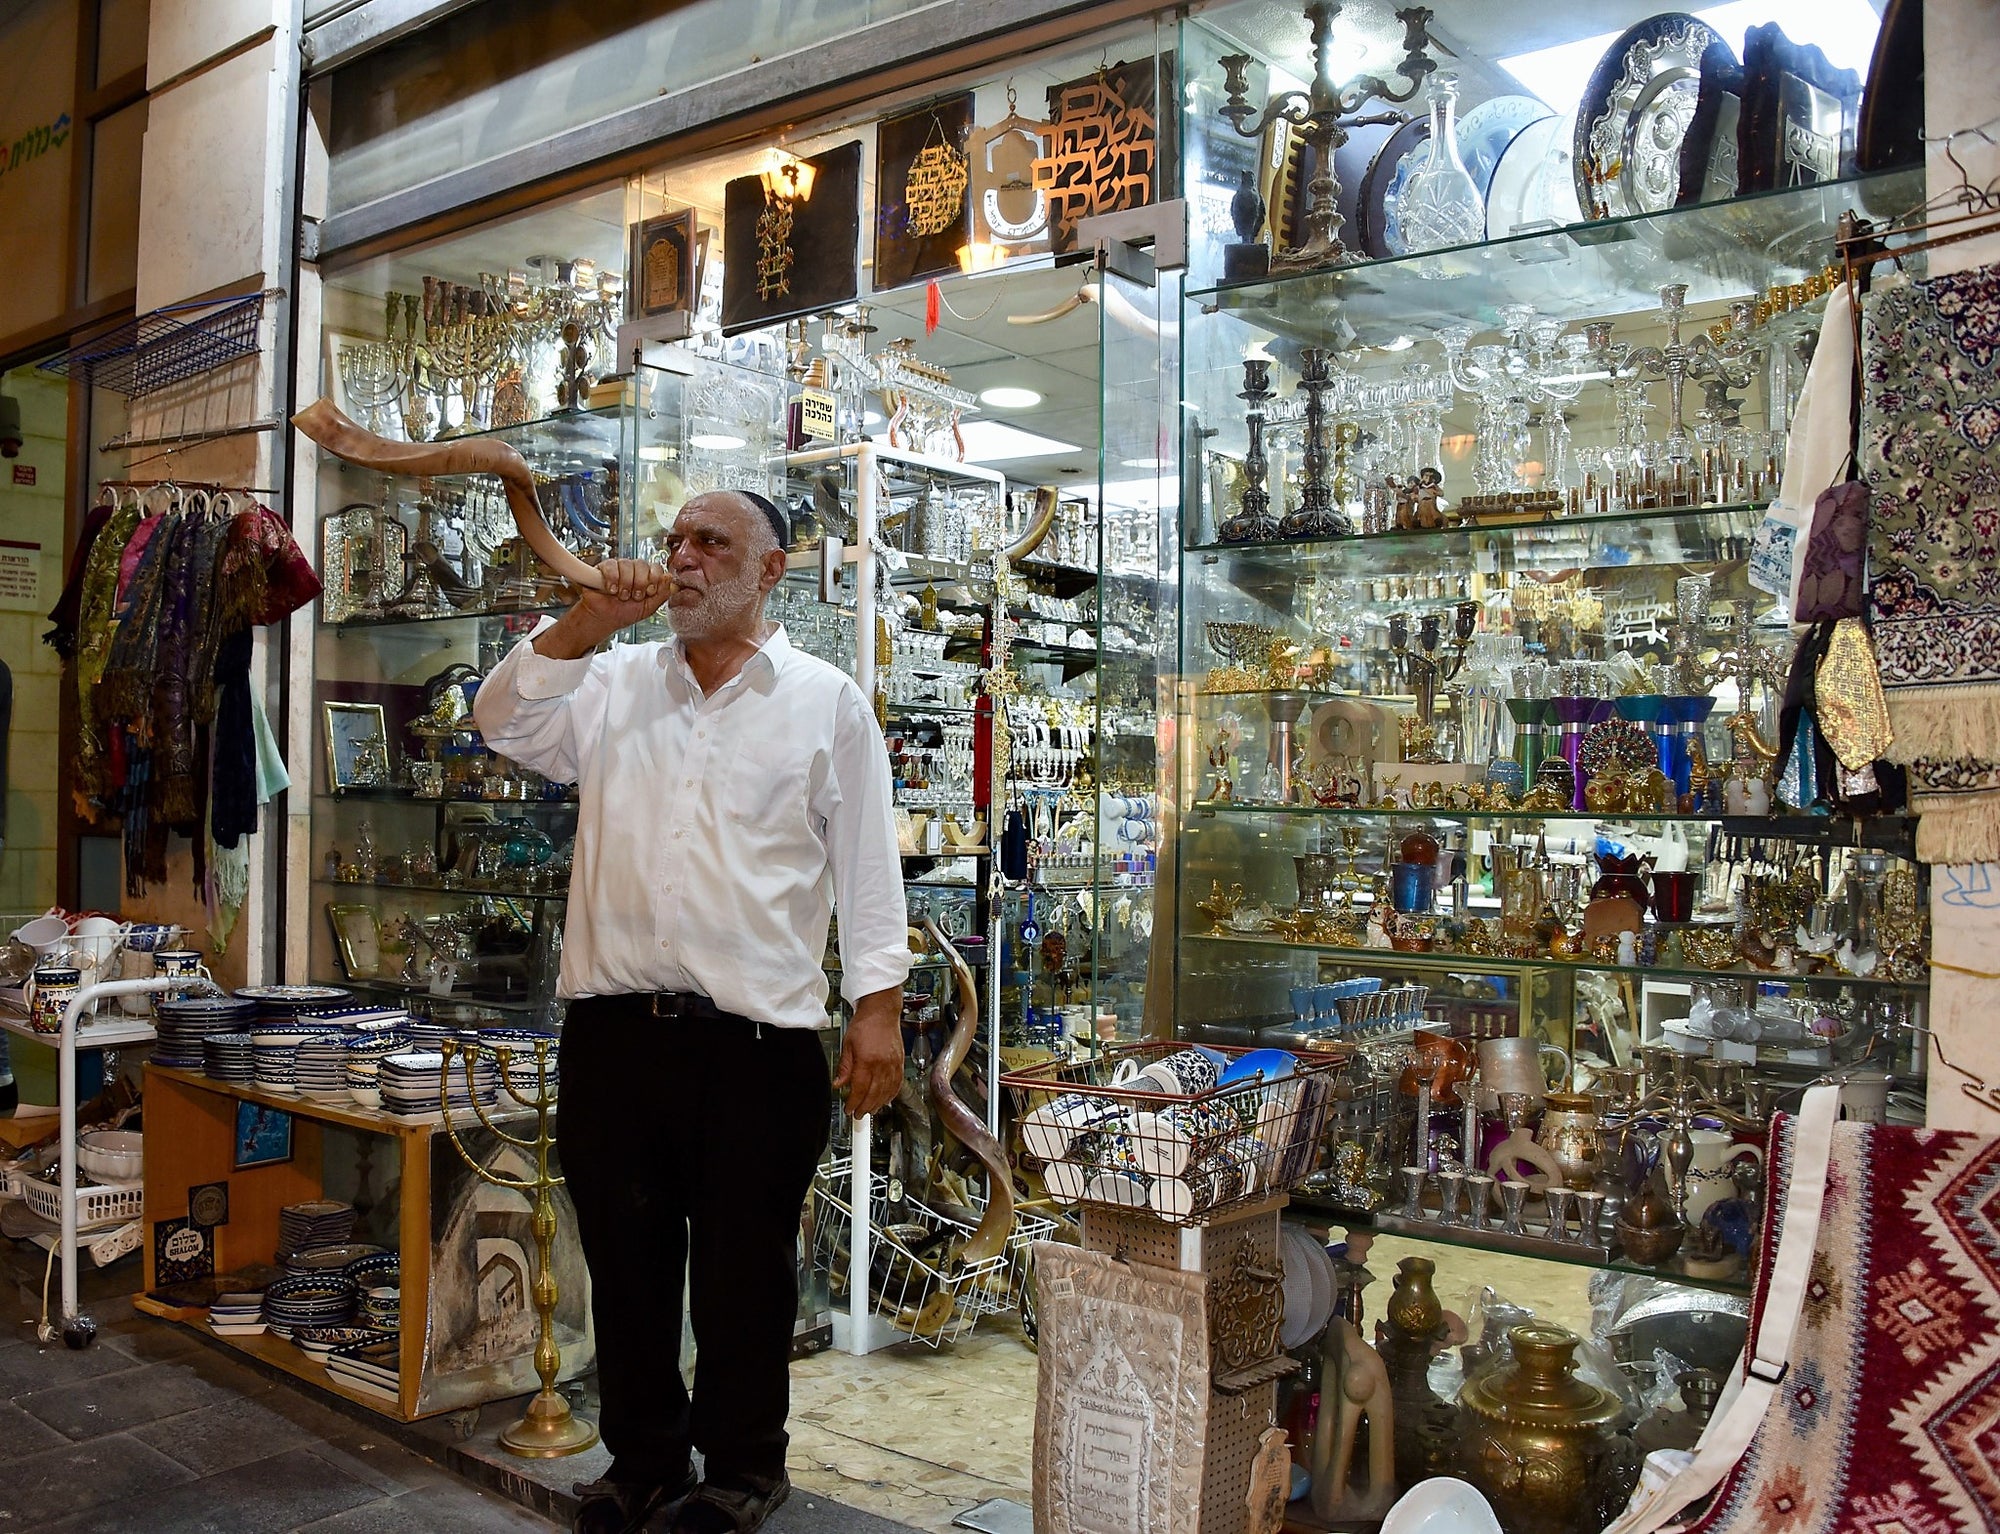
{"x":714,"y":441}
{"x":1009,"y":397}
{"x":1143,"y":463}
{"x":787,"y":178}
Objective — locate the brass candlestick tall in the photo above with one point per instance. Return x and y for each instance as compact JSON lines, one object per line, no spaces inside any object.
{"x":548,"y":1428}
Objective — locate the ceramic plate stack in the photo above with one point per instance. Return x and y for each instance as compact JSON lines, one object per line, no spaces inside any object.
{"x":365,"y":1055}
{"x":318,"y":1342}
{"x":275,"y":1003}
{"x":409,"y":1083}
{"x":315,"y":1299}
{"x":378,"y":1268}
{"x":275,"y":1049}
{"x":321,"y":1066}
{"x":522,"y":1070}
{"x":369,"y":1367}
{"x":229,"y":1057}
{"x":360,"y":1019}
{"x":185,"y":1022}
{"x":334,"y":1259}
{"x":237,"y":1315}
{"x":382,"y":1300}
{"x":322,"y":1222}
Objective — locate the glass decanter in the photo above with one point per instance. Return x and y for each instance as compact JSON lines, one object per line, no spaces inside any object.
{"x":1439,"y":204}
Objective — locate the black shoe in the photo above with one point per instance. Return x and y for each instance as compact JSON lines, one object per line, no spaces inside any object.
{"x":738,"y":1508}
{"x":625,"y":1507}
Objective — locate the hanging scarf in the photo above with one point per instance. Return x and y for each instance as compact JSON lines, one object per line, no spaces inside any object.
{"x":125,"y":695}
{"x":67,"y":614}
{"x":179,"y":683}
{"x":1931,"y":453}
{"x":96,"y":627}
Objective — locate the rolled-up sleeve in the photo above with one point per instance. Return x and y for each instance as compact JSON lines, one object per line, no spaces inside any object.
{"x":861,"y":847}
{"x":542,"y":712}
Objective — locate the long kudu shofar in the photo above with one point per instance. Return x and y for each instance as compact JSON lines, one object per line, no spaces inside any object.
{"x":479,"y":455}
{"x":989,"y":1240}
{"x":486,"y":455}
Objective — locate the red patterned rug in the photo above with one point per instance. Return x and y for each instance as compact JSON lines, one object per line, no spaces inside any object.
{"x":1888,"y":1419}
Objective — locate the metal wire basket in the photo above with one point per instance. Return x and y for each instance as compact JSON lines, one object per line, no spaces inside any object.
{"x":914,"y":1284}
{"x":1109,"y":1130}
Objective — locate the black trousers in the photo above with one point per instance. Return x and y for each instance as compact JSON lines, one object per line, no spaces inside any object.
{"x":689,"y":1146}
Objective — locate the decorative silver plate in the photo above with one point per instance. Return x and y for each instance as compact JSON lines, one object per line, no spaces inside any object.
{"x":1635,"y":112}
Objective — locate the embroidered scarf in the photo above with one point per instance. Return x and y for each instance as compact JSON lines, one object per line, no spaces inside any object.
{"x":1930,"y":434}
{"x":96,"y":626}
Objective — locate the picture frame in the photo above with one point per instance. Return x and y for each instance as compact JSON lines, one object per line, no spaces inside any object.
{"x":263,"y":1136}
{"x":923,"y":206}
{"x":357,"y":746}
{"x":665,"y":265}
{"x":357,"y":939}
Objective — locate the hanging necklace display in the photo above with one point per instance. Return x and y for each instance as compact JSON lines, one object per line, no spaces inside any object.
{"x":935,"y":190}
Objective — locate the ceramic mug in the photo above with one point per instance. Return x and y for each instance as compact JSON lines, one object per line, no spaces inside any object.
{"x":1516,"y":1065}
{"x":181,"y":964}
{"x":43,"y":932}
{"x":51,"y":989}
{"x":1052,"y":1131}
{"x":1181,"y":1074}
{"x":1708,"y":1175}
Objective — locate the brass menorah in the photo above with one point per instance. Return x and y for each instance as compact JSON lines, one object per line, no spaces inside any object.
{"x":548,"y":1428}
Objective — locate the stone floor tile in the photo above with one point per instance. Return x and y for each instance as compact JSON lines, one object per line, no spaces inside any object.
{"x":37,"y":1489}
{"x":267,"y":1496}
{"x":130,"y":1398}
{"x":434,"y":1510}
{"x":223,"y":1436}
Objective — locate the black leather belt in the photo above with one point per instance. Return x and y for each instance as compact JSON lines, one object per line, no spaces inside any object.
{"x":681,"y":1005}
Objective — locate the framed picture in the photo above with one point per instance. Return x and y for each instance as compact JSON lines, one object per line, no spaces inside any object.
{"x":664,"y":264}
{"x":357,"y":938}
{"x":357,"y":746}
{"x":790,"y":255}
{"x":922,"y":174}
{"x":1105,"y":150}
{"x":263,"y":1136}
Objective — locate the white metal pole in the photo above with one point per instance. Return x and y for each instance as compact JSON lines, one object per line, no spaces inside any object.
{"x":66,"y":1108}
{"x":860,"y":1243}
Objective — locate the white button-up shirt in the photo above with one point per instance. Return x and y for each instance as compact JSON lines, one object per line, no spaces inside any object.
{"x":715,"y":832}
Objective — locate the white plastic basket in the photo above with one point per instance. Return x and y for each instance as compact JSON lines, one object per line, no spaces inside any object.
{"x":98,"y":1204}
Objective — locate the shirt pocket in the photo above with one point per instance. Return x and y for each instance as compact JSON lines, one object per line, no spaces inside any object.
{"x":767,"y":784}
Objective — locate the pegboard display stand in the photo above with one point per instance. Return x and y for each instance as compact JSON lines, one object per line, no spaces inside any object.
{"x":1238,"y":1413}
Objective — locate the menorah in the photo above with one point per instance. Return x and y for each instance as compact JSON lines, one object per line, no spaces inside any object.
{"x":1245,"y":650}
{"x":548,"y":1428}
{"x":1427,"y":669}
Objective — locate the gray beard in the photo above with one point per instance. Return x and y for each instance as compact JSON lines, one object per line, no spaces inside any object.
{"x":722,"y":607}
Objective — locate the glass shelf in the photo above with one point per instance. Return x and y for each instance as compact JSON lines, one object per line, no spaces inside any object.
{"x":1391,"y":1224}
{"x":1885,"y":831}
{"x":1580,"y":271}
{"x":1399,"y":958}
{"x":1665,"y":536}
{"x":462,"y":891}
{"x":597,"y":432}
{"x":420,"y":991}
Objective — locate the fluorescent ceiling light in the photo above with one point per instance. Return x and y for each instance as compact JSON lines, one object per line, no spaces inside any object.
{"x":655,"y":453}
{"x":1143,"y":463}
{"x":993,"y":442}
{"x":1008,"y":397}
{"x":871,"y":418}
{"x":1400,"y":344}
{"x":714,"y":441}
{"x":1843,"y":29}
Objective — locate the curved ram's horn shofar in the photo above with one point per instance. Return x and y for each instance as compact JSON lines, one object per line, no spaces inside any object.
{"x":483,"y":455}
{"x":990,"y":1239}
{"x":1046,"y":500}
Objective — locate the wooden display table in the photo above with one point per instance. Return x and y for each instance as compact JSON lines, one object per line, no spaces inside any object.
{"x":467,"y":1248}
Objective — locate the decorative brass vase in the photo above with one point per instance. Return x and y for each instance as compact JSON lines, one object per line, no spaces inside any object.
{"x":1414,"y":1308}
{"x":1571,"y":1133}
{"x":1536,"y":1436}
{"x":1648,"y":1228}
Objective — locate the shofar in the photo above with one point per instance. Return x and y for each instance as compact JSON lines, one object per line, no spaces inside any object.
{"x":484,"y":455}
{"x":990,"y":1239}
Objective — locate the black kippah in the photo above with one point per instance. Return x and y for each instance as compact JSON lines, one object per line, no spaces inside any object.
{"x":781,"y":527}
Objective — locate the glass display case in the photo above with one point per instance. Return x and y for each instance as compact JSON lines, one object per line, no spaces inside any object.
{"x":439,"y":869}
{"x":1481,"y":708}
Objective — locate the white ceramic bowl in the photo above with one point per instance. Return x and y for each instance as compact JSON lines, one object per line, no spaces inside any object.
{"x":366,"y":1097}
{"x":1441,"y":1505}
{"x":112,"y":1155}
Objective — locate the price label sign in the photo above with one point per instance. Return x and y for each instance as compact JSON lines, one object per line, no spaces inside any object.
{"x":816,"y":414}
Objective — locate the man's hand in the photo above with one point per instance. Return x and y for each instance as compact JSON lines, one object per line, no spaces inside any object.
{"x":634,"y":589}
{"x":871,"y":1056}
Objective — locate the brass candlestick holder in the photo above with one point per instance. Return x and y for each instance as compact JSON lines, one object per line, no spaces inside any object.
{"x":548,"y":1429}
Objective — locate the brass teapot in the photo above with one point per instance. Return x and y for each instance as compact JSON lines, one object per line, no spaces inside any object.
{"x":1537,"y":1437}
